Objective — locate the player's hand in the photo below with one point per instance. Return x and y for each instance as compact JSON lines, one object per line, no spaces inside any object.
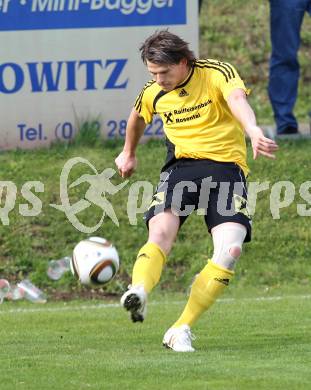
{"x":126,"y":164}
{"x":262,"y":145}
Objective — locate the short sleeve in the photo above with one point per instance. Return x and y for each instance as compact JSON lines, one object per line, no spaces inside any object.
{"x":227,"y":79}
{"x":144,"y":103}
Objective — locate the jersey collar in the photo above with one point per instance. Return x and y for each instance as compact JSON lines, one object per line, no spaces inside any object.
{"x":185,"y":82}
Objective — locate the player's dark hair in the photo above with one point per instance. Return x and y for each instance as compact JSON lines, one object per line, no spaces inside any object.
{"x":163,"y":47}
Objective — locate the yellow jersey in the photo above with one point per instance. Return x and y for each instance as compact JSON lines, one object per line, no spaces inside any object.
{"x":196,"y":118}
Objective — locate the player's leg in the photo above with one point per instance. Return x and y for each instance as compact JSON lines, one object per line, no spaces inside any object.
{"x":151,"y":258}
{"x":215,"y":276}
{"x":163,"y":226}
{"x":285,"y":21}
{"x":228,"y":221}
{"x":209,"y":284}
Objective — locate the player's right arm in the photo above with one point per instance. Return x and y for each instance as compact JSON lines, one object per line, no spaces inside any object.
{"x":126,"y":161}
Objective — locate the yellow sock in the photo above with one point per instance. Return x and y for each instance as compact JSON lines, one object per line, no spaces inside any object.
{"x":148,"y":266}
{"x":206,"y":288}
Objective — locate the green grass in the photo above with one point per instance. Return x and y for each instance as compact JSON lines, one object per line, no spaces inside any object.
{"x":242,"y":343}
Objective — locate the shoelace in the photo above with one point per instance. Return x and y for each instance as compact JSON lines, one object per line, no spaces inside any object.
{"x":186,"y":336}
{"x":190,"y":335}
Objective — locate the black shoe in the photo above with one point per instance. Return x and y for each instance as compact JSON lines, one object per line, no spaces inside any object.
{"x":134,"y":300}
{"x":289,"y":130}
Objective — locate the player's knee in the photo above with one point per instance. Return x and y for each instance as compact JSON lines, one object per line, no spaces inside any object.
{"x":158,"y":235}
{"x":228,"y":240}
{"x":163,"y":229}
{"x":235,"y":251}
{"x":161,"y":237}
{"x":227,"y":256}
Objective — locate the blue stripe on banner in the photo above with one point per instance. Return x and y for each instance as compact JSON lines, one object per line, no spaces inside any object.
{"x":63,"y":14}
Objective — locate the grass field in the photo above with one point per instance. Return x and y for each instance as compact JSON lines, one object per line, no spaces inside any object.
{"x":244,"y":342}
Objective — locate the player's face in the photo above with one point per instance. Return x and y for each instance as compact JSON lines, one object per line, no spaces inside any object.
{"x":168,"y":76}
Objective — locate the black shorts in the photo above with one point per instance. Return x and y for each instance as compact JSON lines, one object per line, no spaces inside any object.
{"x":216,"y":190}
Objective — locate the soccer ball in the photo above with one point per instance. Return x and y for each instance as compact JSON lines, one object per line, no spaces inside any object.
{"x":94,"y":261}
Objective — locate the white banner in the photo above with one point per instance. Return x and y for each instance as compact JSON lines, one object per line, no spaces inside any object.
{"x":63,"y":62}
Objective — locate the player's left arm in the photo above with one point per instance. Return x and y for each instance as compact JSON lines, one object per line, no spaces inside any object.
{"x":243,"y":112}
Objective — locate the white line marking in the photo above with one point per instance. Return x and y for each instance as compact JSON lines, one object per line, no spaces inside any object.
{"x":113,"y":305}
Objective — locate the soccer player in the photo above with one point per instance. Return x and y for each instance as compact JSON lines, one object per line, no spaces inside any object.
{"x":205,"y":112}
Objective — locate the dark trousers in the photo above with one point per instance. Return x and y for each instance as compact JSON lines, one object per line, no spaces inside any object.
{"x":286,"y":18}
{"x":200,"y":4}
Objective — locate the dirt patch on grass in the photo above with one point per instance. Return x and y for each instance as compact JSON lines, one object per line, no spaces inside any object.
{"x":56,"y":295}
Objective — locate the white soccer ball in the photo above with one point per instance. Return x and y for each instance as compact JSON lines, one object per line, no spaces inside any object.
{"x":94,"y":261}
